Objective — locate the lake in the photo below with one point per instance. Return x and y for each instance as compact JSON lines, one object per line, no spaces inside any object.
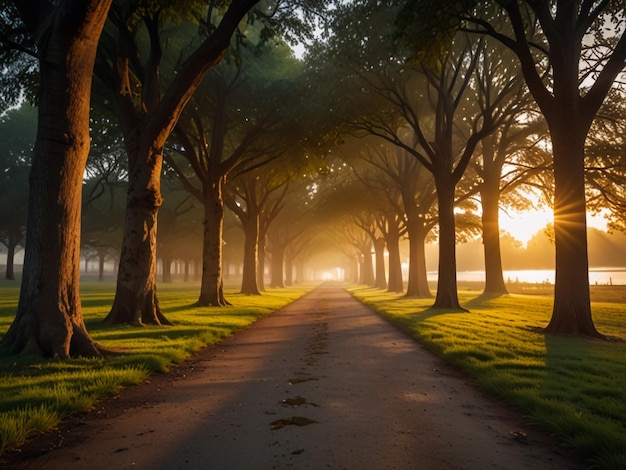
{"x":608,"y":276}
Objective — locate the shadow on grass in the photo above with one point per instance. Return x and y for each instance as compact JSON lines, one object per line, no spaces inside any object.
{"x":181,"y":308}
{"x":484,"y":300}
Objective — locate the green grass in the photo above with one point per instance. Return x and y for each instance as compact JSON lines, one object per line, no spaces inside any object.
{"x":572,"y":388}
{"x":36,"y":394}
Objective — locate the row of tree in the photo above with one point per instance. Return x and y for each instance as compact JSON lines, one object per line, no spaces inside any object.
{"x":443,"y":103}
{"x":500,"y":95}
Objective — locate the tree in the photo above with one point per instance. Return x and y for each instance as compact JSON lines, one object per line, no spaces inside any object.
{"x":579,"y":77}
{"x":17,"y":133}
{"x":289,"y":226}
{"x":146,"y":123}
{"x":406,"y":176}
{"x":388,"y":213}
{"x":442,"y":139}
{"x":242,"y":106}
{"x":500,"y":88}
{"x":49,"y":319}
{"x":106,"y":177}
{"x":250,"y":198}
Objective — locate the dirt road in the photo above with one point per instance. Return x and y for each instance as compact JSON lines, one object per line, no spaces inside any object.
{"x":322,"y":384}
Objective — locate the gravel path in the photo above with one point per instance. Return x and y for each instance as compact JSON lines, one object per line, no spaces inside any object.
{"x":322,"y":384}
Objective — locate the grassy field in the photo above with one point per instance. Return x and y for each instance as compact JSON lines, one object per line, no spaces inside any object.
{"x":35,"y":395}
{"x":572,"y":388}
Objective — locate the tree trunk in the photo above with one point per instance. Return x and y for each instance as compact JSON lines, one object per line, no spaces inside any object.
{"x":136,"y":300}
{"x":447,"y":295}
{"x":571,"y":314}
{"x":395,"y":264}
{"x":166,"y":262}
{"x":490,"y":200}
{"x":249,"y":276}
{"x":11,"y":247}
{"x":49,"y":319}
{"x":277,"y":268}
{"x":418,"y":280}
{"x":101,"y":259}
{"x":379,"y":251}
{"x":288,"y":268}
{"x":186,"y":275}
{"x":212,"y":286}
{"x":260,"y":273}
{"x":367,"y":267}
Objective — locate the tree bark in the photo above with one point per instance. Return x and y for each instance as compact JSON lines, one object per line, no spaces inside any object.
{"x":49,"y":319}
{"x":417,"y":285}
{"x":447,"y":295}
{"x":380,"y":278}
{"x":249,"y":276}
{"x":571,"y":314}
{"x":395,"y":264}
{"x":136,"y":300}
{"x":212,"y":285}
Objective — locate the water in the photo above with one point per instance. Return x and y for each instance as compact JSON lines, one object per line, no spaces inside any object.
{"x":599,"y":276}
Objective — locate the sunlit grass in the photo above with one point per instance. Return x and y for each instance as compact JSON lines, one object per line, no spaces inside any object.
{"x":572,"y":388}
{"x":36,"y":394}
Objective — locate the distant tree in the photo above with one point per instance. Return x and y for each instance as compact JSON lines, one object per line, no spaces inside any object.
{"x":104,"y":195}
{"x":290,"y":224}
{"x":416,"y":188}
{"x":17,"y":134}
{"x":242,"y":115}
{"x":436,"y":138}
{"x":249,"y":195}
{"x":179,"y":222}
{"x":388,"y":212}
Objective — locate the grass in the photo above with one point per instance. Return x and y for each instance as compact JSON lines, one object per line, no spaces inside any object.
{"x":572,"y":388}
{"x":36,"y":394}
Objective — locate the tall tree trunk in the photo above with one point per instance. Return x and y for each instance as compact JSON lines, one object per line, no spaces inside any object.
{"x":418,"y":280}
{"x":395,"y":264}
{"x":136,"y":300}
{"x":571,"y":314}
{"x":249,"y":276}
{"x":49,"y":319}
{"x":379,"y":252}
{"x":447,"y":295}
{"x":278,"y":257}
{"x":212,"y":286}
{"x":490,"y":201}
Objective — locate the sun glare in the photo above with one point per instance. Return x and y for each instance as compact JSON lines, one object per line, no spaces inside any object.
{"x":524,"y":225}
